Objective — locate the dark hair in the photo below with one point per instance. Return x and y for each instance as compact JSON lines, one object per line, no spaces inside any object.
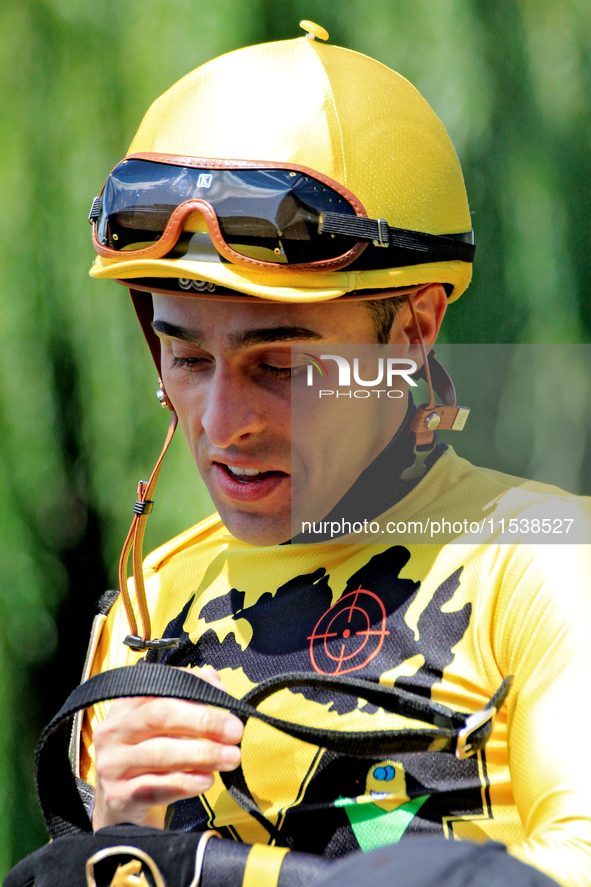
{"x":383,"y":312}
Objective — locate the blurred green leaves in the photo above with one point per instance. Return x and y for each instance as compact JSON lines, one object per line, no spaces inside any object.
{"x":79,"y":424}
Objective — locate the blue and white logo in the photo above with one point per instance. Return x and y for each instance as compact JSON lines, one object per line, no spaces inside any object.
{"x":205,"y":179}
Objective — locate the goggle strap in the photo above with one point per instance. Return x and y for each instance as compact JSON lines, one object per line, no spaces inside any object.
{"x":95,"y":210}
{"x":444,"y":246}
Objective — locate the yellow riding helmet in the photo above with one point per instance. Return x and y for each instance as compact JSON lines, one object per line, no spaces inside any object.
{"x":306,"y":104}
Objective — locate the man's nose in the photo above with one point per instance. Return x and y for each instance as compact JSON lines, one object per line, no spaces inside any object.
{"x":232,"y":411}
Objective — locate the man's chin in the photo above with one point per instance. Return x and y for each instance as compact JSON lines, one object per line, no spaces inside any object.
{"x":256,"y":529}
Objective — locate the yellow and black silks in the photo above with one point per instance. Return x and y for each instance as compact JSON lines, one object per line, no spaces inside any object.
{"x":450,"y":621}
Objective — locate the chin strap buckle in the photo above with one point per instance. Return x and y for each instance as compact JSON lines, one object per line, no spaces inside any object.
{"x":442,"y":417}
{"x":143,"y":507}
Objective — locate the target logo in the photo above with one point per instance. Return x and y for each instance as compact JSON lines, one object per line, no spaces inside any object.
{"x":352,"y":633}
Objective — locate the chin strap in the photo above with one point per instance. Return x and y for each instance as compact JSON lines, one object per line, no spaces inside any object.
{"x":447,"y":416}
{"x":139,"y":639}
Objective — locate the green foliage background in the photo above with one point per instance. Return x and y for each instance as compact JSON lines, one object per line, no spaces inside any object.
{"x":79,"y":423}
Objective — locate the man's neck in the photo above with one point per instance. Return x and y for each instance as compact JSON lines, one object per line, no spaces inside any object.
{"x":379,"y":487}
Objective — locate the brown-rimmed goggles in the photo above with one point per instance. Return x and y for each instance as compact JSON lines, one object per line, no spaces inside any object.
{"x":256,"y":213}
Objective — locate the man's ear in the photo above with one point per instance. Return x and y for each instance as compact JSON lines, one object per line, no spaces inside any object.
{"x":430,"y":305}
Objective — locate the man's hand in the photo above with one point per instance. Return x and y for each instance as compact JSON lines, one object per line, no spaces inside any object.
{"x":151,"y":752}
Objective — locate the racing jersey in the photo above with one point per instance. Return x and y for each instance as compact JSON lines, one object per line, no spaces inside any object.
{"x":449,"y":619}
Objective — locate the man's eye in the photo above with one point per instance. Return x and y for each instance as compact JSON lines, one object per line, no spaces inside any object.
{"x":282,"y":372}
{"x":189,"y":362}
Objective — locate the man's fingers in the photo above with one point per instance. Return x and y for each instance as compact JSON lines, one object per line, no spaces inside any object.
{"x":127,"y":704}
{"x":168,"y":717}
{"x":173,"y":717}
{"x":167,"y":755}
{"x":144,"y":799}
{"x":207,"y":673}
{"x":151,"y":752}
{"x":155,"y":789}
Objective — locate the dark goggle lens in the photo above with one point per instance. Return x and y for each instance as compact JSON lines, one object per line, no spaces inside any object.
{"x":267,"y":214}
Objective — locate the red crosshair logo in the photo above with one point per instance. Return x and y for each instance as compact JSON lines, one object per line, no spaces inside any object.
{"x":352,"y":631}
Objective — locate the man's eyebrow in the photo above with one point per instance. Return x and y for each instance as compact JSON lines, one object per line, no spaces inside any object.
{"x":261,"y":336}
{"x":177,"y":332}
{"x":274,"y":334}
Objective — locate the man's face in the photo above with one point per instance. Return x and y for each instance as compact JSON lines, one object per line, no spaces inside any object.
{"x":227,"y":368}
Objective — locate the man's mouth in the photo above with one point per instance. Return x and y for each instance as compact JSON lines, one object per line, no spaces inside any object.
{"x":248,"y":484}
{"x":249,"y":475}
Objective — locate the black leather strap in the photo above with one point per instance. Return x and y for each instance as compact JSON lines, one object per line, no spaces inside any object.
{"x":434,"y":246}
{"x":63,"y":810}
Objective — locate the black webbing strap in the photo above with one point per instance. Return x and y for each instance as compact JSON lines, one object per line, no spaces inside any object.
{"x":61,"y":805}
{"x":441,"y":246}
{"x":360,"y":744}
